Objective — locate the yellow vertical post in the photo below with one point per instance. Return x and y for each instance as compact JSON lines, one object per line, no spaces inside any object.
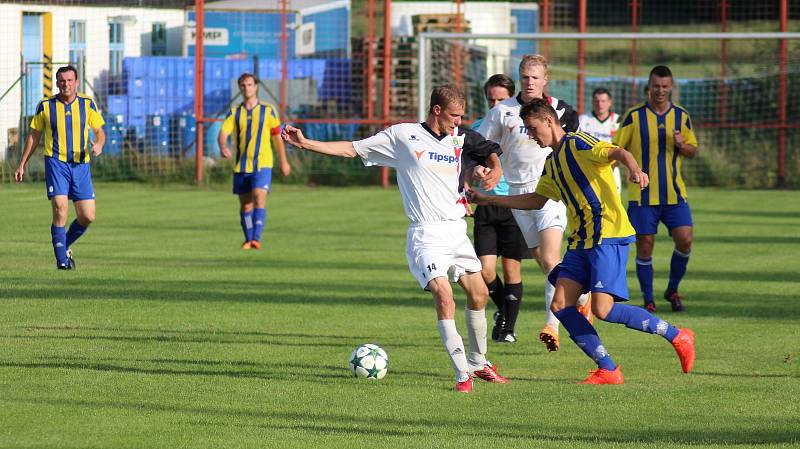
{"x":47,"y":52}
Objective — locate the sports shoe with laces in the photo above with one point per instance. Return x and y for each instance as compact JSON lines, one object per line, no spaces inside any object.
{"x":489,"y":374}
{"x":549,"y":336}
{"x":650,"y":307}
{"x":254,"y":244}
{"x":586,"y":310}
{"x":675,"y":300}
{"x":684,"y":346}
{"x":603,"y":376}
{"x":464,"y":386}
{"x":247,"y":245}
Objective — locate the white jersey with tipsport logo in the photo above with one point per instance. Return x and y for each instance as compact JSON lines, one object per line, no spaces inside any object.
{"x":523,"y":158}
{"x":428,"y":167}
{"x":601,"y":129}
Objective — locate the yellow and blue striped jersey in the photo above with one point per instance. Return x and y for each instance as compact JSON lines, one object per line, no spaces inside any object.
{"x":579,"y":173}
{"x":650,"y":138}
{"x":66,"y":127}
{"x":252,"y":130}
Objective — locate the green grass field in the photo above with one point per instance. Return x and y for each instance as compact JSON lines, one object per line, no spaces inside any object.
{"x":170,"y":336}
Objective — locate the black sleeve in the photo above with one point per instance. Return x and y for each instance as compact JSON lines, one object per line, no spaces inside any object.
{"x":475,"y":151}
{"x":477,"y":148}
{"x":569,"y":119}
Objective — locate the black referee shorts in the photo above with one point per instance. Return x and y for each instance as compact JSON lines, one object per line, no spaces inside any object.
{"x":496,"y":233}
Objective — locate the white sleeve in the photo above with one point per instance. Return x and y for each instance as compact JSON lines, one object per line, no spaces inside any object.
{"x":583,"y":122}
{"x":491,"y":128}
{"x":378,"y":149}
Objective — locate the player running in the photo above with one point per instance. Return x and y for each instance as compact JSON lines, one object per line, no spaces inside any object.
{"x":428,"y":158}
{"x":579,"y":173}
{"x":523,"y":160}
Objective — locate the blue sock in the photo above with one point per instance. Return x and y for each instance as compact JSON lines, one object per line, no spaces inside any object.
{"x":75,"y":232}
{"x":644,"y":271}
{"x":585,"y":336}
{"x":641,"y":320}
{"x":246,"y":219}
{"x":259,"y":220}
{"x":59,"y":235}
{"x":677,"y":268}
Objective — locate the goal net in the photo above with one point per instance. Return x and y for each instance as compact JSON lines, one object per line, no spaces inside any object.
{"x":741,"y":89}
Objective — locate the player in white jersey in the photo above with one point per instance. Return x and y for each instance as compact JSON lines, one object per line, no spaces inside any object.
{"x":602,"y":123}
{"x":523,"y":162}
{"x":428,"y":159}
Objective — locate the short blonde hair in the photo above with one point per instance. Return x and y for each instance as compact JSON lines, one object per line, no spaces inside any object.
{"x":445,"y":95}
{"x":534,"y":60}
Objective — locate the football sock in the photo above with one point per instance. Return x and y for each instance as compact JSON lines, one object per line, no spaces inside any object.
{"x":75,"y":232}
{"x":677,"y":268}
{"x":496,"y":292}
{"x":259,"y":220}
{"x":644,"y":271}
{"x":585,"y":336}
{"x":513,"y":299}
{"x":246,"y":219}
{"x":583,"y":299}
{"x":59,"y":236}
{"x":640,"y":319}
{"x":476,"y":332}
{"x":454,"y":346}
{"x":549,"y":291}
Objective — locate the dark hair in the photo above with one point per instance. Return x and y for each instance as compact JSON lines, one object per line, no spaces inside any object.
{"x":660,"y":71}
{"x":500,"y":80}
{"x":65,"y":69}
{"x":538,"y":108}
{"x":246,"y":75}
{"x":445,"y":95}
{"x":601,"y":91}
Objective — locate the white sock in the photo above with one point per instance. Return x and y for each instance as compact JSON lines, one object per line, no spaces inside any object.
{"x":454,"y":346}
{"x":583,"y":299}
{"x":476,"y":331}
{"x":549,"y":291}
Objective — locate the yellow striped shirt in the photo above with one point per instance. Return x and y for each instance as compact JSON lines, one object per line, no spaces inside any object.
{"x":252,"y":131}
{"x":66,"y":127}
{"x":579,"y":173}
{"x":650,"y":138}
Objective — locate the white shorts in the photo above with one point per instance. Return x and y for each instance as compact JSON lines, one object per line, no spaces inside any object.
{"x":531,"y":222}
{"x":440,"y":249}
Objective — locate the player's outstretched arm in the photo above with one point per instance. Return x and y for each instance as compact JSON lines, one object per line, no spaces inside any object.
{"x":294,"y":136}
{"x":30,"y":146}
{"x":635,"y":173}
{"x":526,"y":201}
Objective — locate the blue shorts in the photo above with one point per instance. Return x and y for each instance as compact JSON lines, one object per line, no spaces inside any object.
{"x":599,"y":269}
{"x":68,"y":178}
{"x":246,"y":182}
{"x":645,"y":218}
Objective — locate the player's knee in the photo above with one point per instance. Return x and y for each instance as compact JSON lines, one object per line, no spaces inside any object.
{"x":86,"y":219}
{"x":488,"y":275}
{"x":548,"y":263}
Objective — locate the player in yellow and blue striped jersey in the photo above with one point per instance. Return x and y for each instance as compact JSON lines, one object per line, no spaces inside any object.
{"x":254,"y":125}
{"x":65,"y":120}
{"x":579,"y":173}
{"x":659,"y":134}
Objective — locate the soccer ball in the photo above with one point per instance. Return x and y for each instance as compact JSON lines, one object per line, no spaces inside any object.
{"x":369,"y":361}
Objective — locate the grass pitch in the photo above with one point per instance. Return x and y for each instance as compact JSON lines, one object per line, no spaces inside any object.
{"x":170,"y":336}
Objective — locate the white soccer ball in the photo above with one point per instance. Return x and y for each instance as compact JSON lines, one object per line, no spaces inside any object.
{"x":369,"y":361}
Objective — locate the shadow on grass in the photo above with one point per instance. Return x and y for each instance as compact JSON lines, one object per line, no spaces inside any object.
{"x":736,"y":430}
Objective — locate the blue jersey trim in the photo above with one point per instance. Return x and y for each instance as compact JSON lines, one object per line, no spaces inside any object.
{"x":262,"y":113}
{"x":644,"y":135}
{"x":678,"y":119}
{"x":661,"y":120}
{"x":589,"y":195}
{"x":582,"y":228}
{"x":54,"y":128}
{"x":82,"y":106}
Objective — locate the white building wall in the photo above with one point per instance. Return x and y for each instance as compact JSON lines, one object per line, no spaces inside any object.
{"x":138,"y":26}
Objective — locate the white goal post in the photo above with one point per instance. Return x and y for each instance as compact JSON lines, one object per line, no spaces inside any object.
{"x":425,"y":56}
